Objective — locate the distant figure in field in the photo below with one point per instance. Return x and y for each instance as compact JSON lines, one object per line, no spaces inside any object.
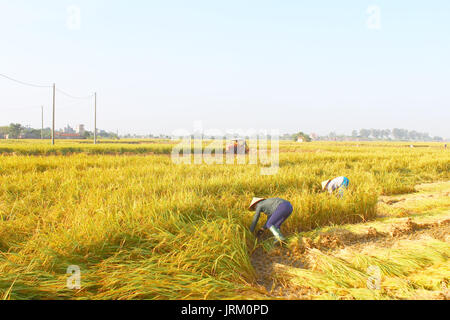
{"x":340,"y":184}
{"x":238,"y":146}
{"x":277,"y":211}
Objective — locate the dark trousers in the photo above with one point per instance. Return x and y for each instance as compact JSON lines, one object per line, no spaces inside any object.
{"x":280,"y":215}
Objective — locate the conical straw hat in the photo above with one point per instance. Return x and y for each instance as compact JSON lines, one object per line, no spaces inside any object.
{"x":255,"y":201}
{"x":325,"y":183}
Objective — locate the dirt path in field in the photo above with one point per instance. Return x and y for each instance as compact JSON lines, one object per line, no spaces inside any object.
{"x":268,"y":265}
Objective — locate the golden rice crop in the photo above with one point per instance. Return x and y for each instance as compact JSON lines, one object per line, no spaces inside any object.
{"x":140,"y":226}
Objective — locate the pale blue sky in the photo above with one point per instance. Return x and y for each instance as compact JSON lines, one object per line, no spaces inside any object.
{"x":292,"y":65}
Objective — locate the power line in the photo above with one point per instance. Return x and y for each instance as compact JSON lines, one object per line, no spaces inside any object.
{"x":54,"y":101}
{"x":23,"y":82}
{"x":43,"y":86}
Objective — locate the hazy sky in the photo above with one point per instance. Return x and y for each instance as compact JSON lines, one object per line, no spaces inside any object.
{"x":316,"y":66}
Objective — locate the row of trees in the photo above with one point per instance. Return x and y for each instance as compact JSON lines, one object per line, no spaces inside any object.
{"x":14,"y":130}
{"x":369,"y":135}
{"x":301,"y":135}
{"x":394,"y":134}
{"x":381,"y":134}
{"x":17,"y":131}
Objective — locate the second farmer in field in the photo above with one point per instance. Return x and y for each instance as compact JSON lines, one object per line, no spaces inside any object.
{"x":340,"y":184}
{"x":277,"y":211}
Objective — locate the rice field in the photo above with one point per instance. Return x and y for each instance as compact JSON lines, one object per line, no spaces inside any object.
{"x":139,"y":226}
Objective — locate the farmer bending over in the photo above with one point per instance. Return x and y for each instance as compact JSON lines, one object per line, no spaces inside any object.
{"x":340,"y":183}
{"x":277,"y":211}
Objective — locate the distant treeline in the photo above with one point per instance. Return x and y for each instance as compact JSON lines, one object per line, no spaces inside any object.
{"x":383,"y":134}
{"x":17,"y":131}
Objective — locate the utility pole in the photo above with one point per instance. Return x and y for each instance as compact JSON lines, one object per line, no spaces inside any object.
{"x":42,"y":122}
{"x":53,"y":122}
{"x":95,"y":118}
